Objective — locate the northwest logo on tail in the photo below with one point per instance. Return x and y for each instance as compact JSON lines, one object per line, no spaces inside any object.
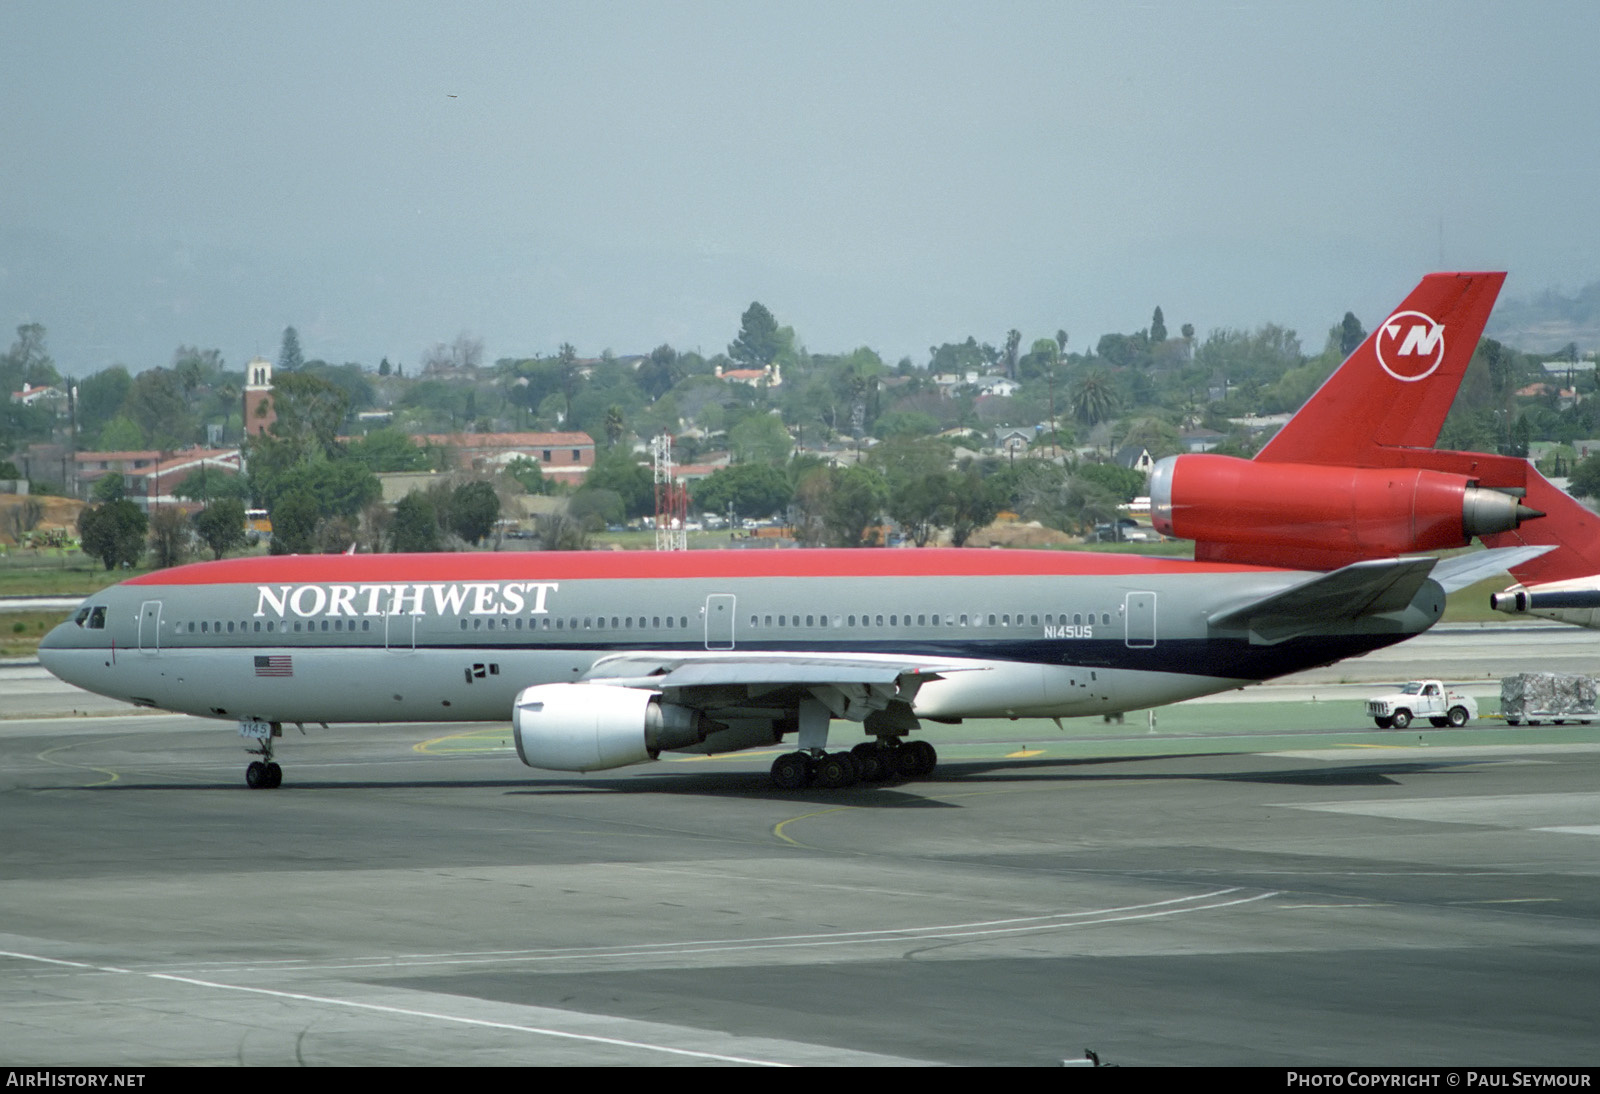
{"x":1410,"y":345}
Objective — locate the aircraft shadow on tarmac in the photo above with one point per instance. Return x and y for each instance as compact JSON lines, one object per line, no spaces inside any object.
{"x":756,"y":785}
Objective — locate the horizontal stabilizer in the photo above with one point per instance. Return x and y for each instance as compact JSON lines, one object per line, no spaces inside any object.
{"x":1463,"y":570}
{"x":1356,"y":591}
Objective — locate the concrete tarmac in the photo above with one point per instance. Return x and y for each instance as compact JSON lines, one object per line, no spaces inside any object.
{"x":413,"y":895}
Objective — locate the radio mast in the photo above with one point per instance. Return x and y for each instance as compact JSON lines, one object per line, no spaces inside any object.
{"x":672,"y":499}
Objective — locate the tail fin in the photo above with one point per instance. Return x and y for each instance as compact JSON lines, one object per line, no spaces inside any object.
{"x":1567,"y":525}
{"x":1395,"y":390}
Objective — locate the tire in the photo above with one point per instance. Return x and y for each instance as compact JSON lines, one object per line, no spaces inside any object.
{"x":1401,"y":719}
{"x":835,"y":770}
{"x":1384,"y":723}
{"x":791,"y":771}
{"x":255,"y":776}
{"x":869,"y":757}
{"x":1457,"y":717}
{"x":1513,"y":721}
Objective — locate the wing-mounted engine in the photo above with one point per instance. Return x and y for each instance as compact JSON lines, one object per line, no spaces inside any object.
{"x":592,"y":727}
{"x":1310,"y":516}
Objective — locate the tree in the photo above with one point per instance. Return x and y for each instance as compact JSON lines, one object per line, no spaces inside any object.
{"x":109,"y":487}
{"x":389,"y":450}
{"x":113,"y":532}
{"x":474,"y":509}
{"x":854,"y":506}
{"x":1013,"y":343}
{"x":1094,"y":397}
{"x":416,"y":524}
{"x":760,"y":438}
{"x":169,"y":537}
{"x":220,"y":526}
{"x":209,"y":484}
{"x":156,"y":403}
{"x":289,"y":356}
{"x":751,"y":489}
{"x":100,"y":397}
{"x":1158,"y":327}
{"x":1350,"y":334}
{"x":1585,"y":479}
{"x":294,"y":523}
{"x":27,"y":361}
{"x":759,"y":341}
{"x":618,"y":471}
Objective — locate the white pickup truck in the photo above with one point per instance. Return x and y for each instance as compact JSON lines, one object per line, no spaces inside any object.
{"x":1428,"y":699}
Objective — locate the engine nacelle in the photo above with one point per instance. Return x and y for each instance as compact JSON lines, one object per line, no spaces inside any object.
{"x":1315,"y":515}
{"x":1577,"y":595}
{"x":592,"y":727}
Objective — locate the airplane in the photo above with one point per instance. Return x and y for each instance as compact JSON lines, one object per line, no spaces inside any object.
{"x":606,"y":660}
{"x":1565,"y":584}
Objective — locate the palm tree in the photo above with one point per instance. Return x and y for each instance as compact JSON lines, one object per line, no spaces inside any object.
{"x":1094,"y":397}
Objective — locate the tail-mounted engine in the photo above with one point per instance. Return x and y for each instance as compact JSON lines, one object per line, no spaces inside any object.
{"x":1310,"y":516}
{"x":592,"y":727}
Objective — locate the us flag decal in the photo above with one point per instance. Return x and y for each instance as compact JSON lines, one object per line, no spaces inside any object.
{"x":277,"y":664}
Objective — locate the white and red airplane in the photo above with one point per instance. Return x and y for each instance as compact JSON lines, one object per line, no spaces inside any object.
{"x":603,"y":660}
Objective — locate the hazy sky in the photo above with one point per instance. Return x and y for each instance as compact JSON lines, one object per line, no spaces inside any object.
{"x":616,"y":175}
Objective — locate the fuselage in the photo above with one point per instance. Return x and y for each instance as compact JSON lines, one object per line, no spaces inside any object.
{"x":370,"y":638}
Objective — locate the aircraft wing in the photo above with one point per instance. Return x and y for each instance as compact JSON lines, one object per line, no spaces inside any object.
{"x":1361,"y":589}
{"x":852,"y":687}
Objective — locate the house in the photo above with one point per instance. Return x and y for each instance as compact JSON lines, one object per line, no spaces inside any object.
{"x":1135,"y":457}
{"x":44,"y":395}
{"x":1013,"y":439}
{"x":150,"y":477}
{"x":565,"y":457}
{"x":997,"y":385}
{"x":768,"y":376}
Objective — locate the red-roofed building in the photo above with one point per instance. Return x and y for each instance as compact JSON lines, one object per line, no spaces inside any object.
{"x":565,"y":457}
{"x":148,"y":478}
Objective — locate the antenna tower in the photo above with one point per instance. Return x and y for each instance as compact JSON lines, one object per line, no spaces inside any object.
{"x":672,"y":499}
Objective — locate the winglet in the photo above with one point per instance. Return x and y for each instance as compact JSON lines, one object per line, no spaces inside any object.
{"x":1396,"y":388}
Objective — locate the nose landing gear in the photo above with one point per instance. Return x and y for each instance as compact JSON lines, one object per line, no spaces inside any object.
{"x":262,"y":774}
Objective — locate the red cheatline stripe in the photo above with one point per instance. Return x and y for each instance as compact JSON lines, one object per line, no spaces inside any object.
{"x":625,"y":565}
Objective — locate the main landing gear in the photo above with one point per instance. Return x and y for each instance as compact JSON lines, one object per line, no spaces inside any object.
{"x":262,"y":774}
{"x":869,"y":761}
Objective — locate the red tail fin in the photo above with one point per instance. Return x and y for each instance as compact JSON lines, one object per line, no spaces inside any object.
{"x":1396,"y":389}
{"x":1567,"y":525}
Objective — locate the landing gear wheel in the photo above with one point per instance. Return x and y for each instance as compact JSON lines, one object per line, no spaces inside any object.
{"x":791,"y":771}
{"x":262,"y":774}
{"x":835,"y":770}
{"x":1402,"y":718}
{"x":925,"y":759}
{"x":1457,"y":717}
{"x":873,"y":761}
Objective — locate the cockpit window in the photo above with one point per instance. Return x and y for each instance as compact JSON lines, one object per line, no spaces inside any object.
{"x":97,"y":617}
{"x":82,"y":616}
